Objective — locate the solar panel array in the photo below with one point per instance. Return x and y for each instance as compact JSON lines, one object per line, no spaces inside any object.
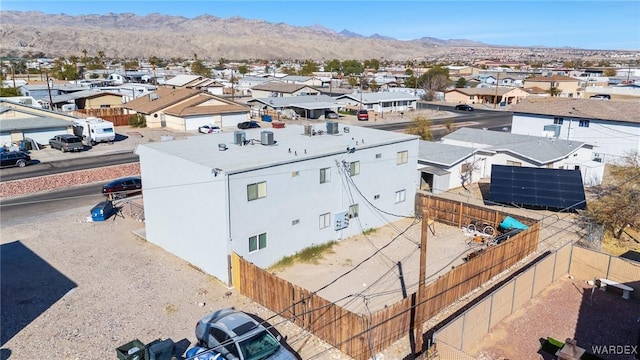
{"x":537,"y":187}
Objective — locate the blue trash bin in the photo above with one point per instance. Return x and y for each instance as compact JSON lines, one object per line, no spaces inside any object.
{"x":266,"y":118}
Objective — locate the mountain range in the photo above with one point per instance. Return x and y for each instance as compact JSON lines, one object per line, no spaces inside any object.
{"x":128,"y":35}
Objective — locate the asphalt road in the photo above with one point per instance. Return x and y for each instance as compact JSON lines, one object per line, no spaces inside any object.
{"x":23,"y":209}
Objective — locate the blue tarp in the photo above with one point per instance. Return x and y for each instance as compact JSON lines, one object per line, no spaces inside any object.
{"x":511,"y":223}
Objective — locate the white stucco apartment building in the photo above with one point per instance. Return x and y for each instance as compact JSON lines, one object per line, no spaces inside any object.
{"x":611,"y":127}
{"x":268,"y":193}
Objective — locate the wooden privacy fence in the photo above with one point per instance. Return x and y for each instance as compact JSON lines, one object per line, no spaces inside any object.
{"x":362,"y":336}
{"x":456,"y":213}
{"x":115,"y":115}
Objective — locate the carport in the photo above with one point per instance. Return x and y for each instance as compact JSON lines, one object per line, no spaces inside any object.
{"x":314,"y":110}
{"x":38,"y":129}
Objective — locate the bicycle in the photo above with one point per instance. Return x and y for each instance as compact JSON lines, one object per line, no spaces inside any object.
{"x":482,"y":227}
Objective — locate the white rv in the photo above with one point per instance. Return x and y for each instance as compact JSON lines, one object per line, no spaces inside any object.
{"x":94,"y":130}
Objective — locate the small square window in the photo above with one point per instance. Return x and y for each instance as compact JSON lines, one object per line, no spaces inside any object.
{"x":325,"y":175}
{"x":378,"y":156}
{"x":401,"y":196}
{"x":558,"y":120}
{"x":295,"y":173}
{"x":354,"y":168}
{"x":256,"y":191}
{"x":295,"y":222}
{"x":325,"y":220}
{"x":583,"y":123}
{"x":257,"y":242}
{"x":402,"y":157}
{"x":376,"y":197}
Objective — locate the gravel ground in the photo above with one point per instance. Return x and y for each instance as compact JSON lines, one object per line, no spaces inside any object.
{"x":564,"y":310}
{"x":73,"y":289}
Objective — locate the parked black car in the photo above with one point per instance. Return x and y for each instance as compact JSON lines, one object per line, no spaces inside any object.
{"x":248,"y":125}
{"x":14,"y":158}
{"x":124,"y":185}
{"x":464,"y":107}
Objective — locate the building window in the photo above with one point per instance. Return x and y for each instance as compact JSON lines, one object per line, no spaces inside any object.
{"x":325,"y":175}
{"x":376,"y":197}
{"x":583,"y":123}
{"x":401,"y":196}
{"x":325,"y":220}
{"x":354,"y":168}
{"x":378,"y":156}
{"x":295,"y":222}
{"x":295,"y":173}
{"x":403,"y":157}
{"x":558,"y":120}
{"x":257,"y":190}
{"x":514,"y":163}
{"x":353,"y":211}
{"x":257,"y":242}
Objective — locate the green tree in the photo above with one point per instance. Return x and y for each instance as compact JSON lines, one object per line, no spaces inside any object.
{"x":138,"y":120}
{"x":308,"y":68}
{"x":554,"y":91}
{"x":352,"y":67}
{"x":131,"y":65}
{"x":609,"y":72}
{"x":353,"y":81}
{"x":243,"y":69}
{"x":411,"y":82}
{"x":617,"y":204}
{"x":462,"y":82}
{"x":198,"y":68}
{"x":333,"y":65}
{"x":372,"y":64}
{"x":373,"y":85}
{"x":421,"y":126}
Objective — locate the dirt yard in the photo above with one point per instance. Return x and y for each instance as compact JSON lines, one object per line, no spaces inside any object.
{"x":366,"y":266}
{"x":566,"y":309}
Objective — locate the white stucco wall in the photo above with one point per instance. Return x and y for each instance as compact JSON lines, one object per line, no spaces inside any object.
{"x":611,"y":139}
{"x":303,"y":198}
{"x":185,"y":210}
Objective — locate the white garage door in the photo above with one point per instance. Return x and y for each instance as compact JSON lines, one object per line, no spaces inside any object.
{"x":43,"y":136}
{"x":234,"y":119}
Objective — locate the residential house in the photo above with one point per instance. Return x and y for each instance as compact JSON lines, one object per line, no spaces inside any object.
{"x":245,"y":83}
{"x":303,"y":80}
{"x":183,"y":80}
{"x":495,"y":95}
{"x":267,"y":194}
{"x":309,"y":107}
{"x":186,"y":109}
{"x":280,"y":89}
{"x":40,"y":90}
{"x":565,"y":85}
{"x":20,"y":122}
{"x":379,"y":102}
{"x":611,"y":127}
{"x":87,"y":99}
{"x":470,"y":153}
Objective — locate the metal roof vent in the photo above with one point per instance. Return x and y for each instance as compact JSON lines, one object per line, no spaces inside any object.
{"x":332,"y":127}
{"x":239,"y":137}
{"x":346,"y":129}
{"x":266,"y":138}
{"x":222,"y":147}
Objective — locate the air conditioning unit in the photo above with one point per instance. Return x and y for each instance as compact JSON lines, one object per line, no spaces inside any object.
{"x":332,"y":127}
{"x":266,"y":138}
{"x":239,"y":137}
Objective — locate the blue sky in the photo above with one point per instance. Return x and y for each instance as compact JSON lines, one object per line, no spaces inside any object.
{"x":606,"y":25}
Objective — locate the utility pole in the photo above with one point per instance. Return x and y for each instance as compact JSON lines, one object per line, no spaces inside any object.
{"x":495,"y":100}
{"x":49,"y":90}
{"x":422,"y":278}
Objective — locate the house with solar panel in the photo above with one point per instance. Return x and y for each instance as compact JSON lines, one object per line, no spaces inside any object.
{"x":468,"y":155}
{"x":612,"y":128}
{"x":269,"y":193}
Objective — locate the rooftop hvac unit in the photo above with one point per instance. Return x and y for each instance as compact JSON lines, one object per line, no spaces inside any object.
{"x":238,"y":137}
{"x":332,"y":127}
{"x":307,"y":129}
{"x":222,"y":147}
{"x":266,"y":138}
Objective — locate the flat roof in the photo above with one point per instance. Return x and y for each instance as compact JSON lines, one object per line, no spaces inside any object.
{"x":291,"y":145}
